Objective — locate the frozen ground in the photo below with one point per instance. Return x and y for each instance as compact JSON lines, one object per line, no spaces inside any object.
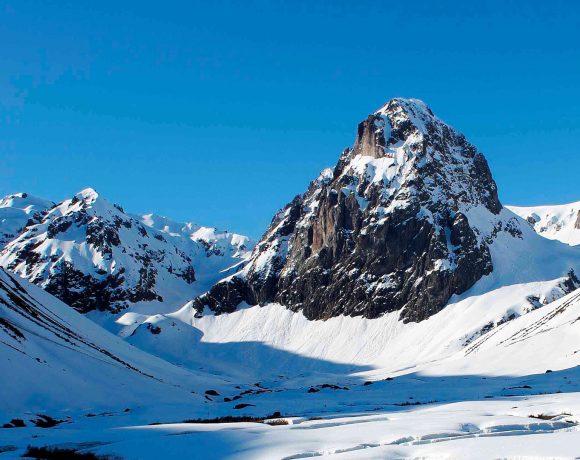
{"x":367,"y":427}
{"x":511,"y":392}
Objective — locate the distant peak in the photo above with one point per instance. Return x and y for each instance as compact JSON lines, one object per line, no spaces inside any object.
{"x":22,"y":200}
{"x":412,"y":108}
{"x":88,"y":195}
{"x":16,"y":196}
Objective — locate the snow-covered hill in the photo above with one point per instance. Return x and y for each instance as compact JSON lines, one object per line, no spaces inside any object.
{"x":16,"y":211}
{"x":519,"y":378}
{"x":54,"y":361}
{"x":94,"y":256}
{"x":546,"y":338}
{"x":556,"y":222}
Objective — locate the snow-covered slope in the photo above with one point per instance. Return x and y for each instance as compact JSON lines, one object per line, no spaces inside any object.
{"x":217,"y":242}
{"x":556,"y":222}
{"x":546,"y":338}
{"x":16,"y":211}
{"x":94,"y":256}
{"x":510,"y":393}
{"x":54,"y":360}
{"x":342,"y":342}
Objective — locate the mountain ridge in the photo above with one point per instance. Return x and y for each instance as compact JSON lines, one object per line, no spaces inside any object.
{"x":95,"y":257}
{"x":16,"y":210}
{"x":556,"y":222}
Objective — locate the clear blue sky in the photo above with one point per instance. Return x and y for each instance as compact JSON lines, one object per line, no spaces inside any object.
{"x":220,"y":112}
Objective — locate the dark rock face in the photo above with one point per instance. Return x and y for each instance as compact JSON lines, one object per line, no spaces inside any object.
{"x":86,"y":293}
{"x":571,"y":283}
{"x":577,"y":224}
{"x":386,"y":230}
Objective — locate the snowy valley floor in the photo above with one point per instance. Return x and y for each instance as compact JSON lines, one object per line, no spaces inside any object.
{"x":407,"y":417}
{"x":478,"y":386}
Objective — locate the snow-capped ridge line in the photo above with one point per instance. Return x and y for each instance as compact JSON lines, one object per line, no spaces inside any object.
{"x":556,"y":222}
{"x":17,"y":210}
{"x":96,"y":257}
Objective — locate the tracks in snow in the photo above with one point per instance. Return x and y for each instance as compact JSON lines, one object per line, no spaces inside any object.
{"x":468,"y":431}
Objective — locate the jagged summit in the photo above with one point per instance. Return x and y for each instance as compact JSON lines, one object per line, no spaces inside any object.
{"x":410,"y":108}
{"x":393,"y":122}
{"x":404,"y":143}
{"x":88,"y":195}
{"x":405,"y":220}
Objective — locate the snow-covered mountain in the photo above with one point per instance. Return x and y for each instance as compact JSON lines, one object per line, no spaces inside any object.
{"x":93,"y":256}
{"x":396,"y":292}
{"x":16,"y":211}
{"x":217,"y":242}
{"x":556,"y":222}
{"x":54,"y":361}
{"x":408,"y":218}
{"x":524,"y":272}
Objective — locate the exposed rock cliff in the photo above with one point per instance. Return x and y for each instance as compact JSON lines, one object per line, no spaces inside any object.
{"x":389,"y":228}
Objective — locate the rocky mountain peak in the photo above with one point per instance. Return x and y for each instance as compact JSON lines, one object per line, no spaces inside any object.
{"x":88,"y":195}
{"x":404,"y":153}
{"x":400,"y":223}
{"x":400,"y":109}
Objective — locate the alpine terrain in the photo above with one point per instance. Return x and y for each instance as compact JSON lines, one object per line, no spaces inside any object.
{"x":17,"y":211}
{"x":408,"y":217}
{"x":395,"y":309}
{"x":557,"y":222}
{"x":92,"y":255}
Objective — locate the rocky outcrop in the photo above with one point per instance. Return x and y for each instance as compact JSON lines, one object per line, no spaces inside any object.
{"x":387,"y":229}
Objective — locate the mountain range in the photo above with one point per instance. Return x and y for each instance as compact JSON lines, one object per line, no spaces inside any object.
{"x":396,"y":280}
{"x":94,"y":256}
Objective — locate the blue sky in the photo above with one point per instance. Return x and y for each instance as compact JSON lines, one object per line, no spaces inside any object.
{"x":220,"y":112}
